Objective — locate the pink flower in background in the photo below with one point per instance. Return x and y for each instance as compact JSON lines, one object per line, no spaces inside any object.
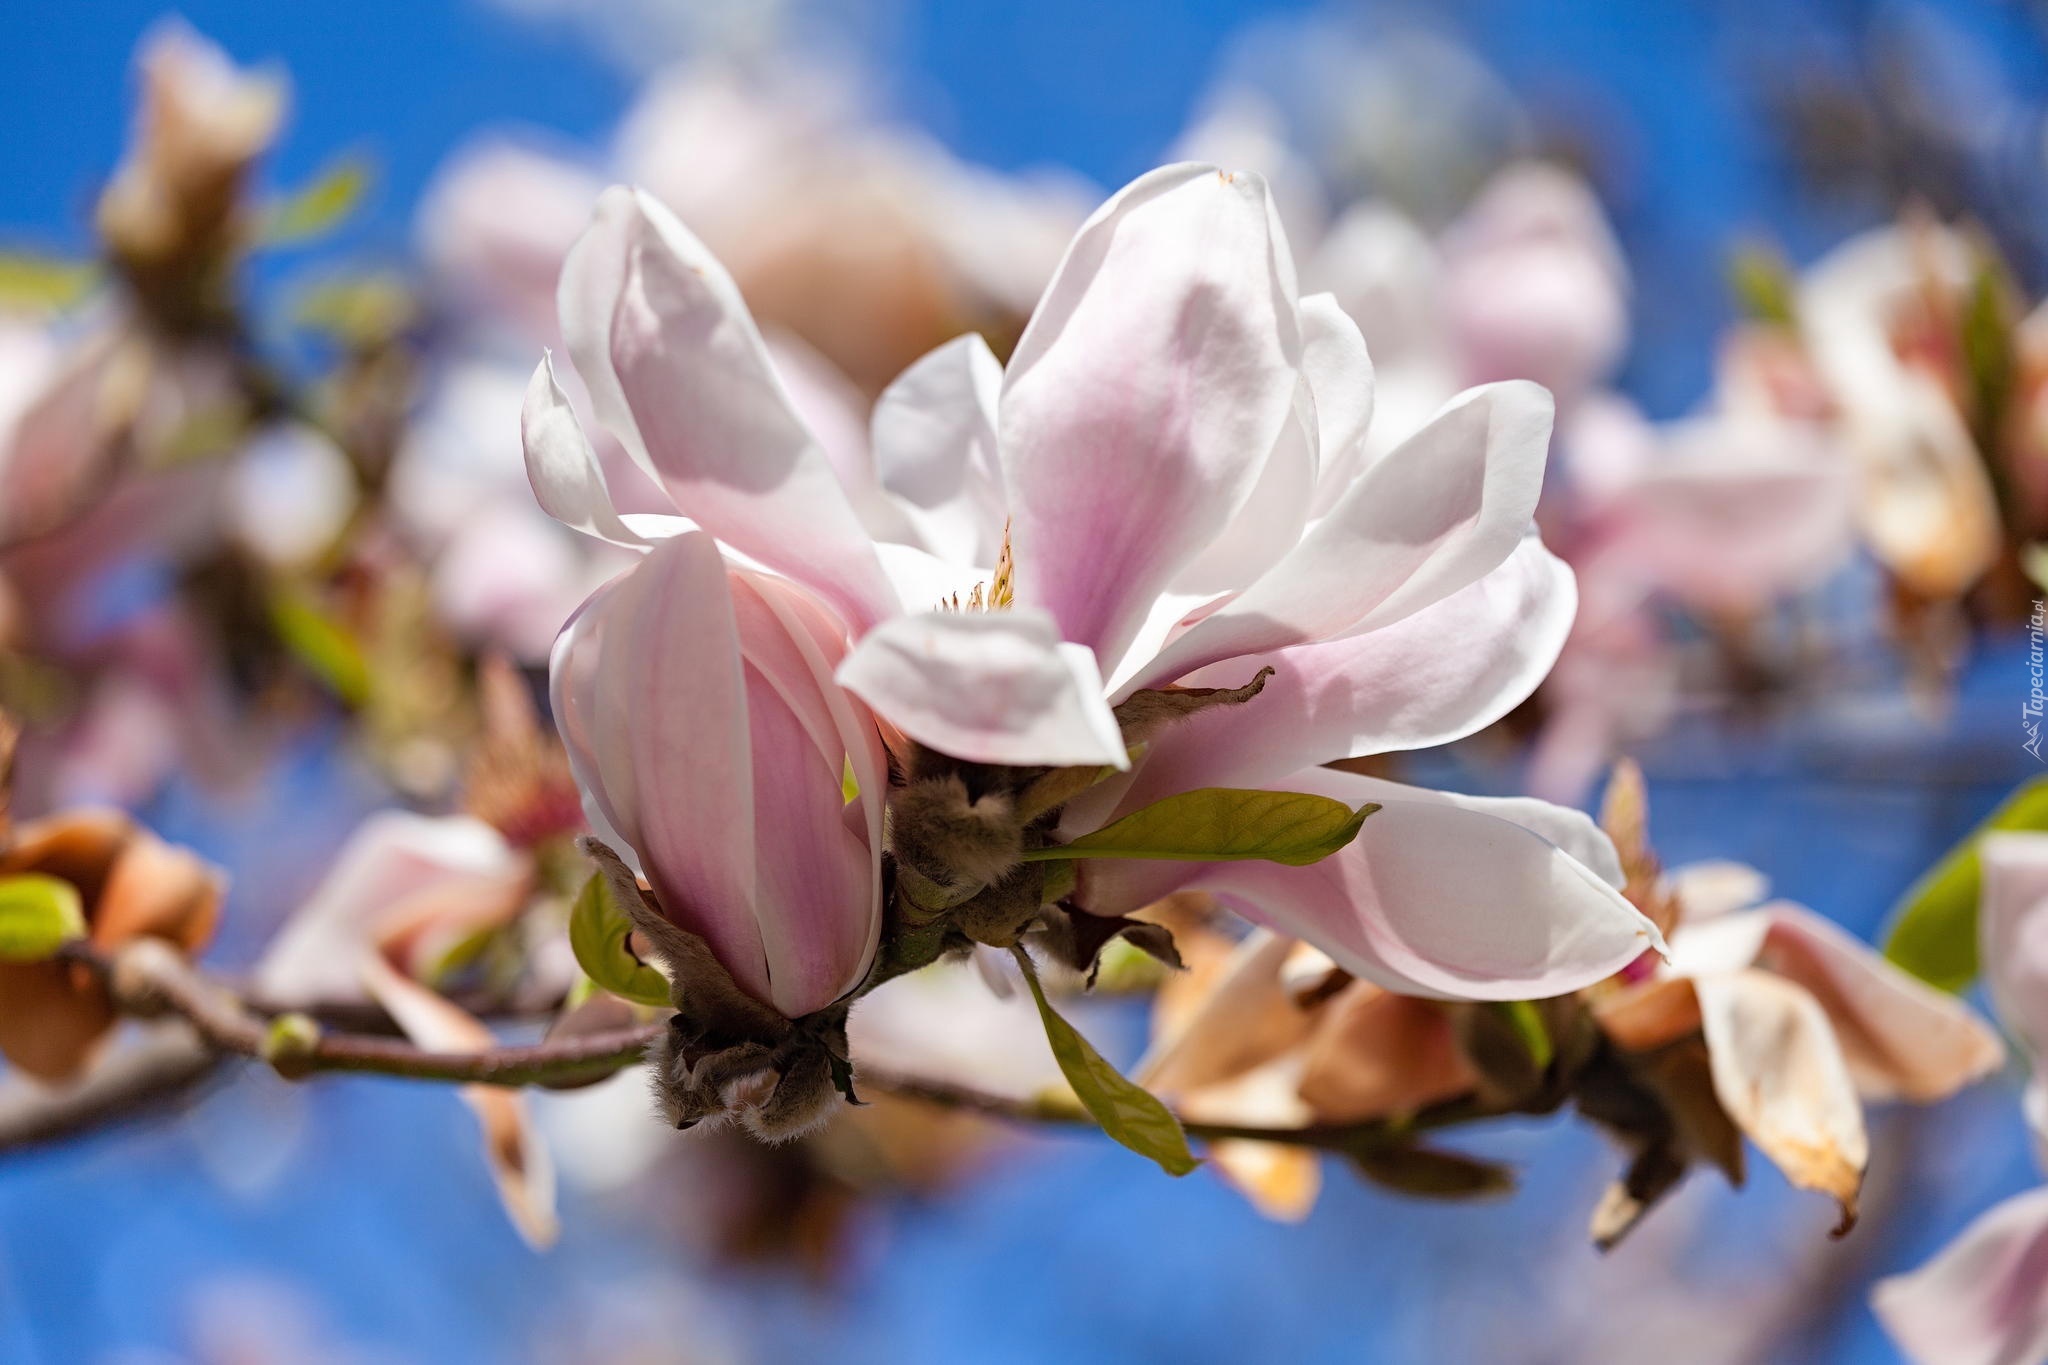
{"x":1528,"y":283}
{"x":1984,"y":1300}
{"x":405,"y":892}
{"x":1155,"y":455}
{"x":868,"y":241}
{"x":1535,"y":286}
{"x":1879,"y":316}
{"x":1725,"y":516}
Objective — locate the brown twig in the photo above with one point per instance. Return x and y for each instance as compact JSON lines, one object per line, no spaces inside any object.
{"x":148,"y":979}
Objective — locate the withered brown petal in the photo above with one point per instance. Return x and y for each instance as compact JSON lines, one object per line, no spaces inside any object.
{"x":1144,"y":714}
{"x":1076,"y":938}
{"x":158,"y":890}
{"x":1373,"y":1054}
{"x":53,"y":1016}
{"x":1779,"y":1073}
{"x":1645,"y":1017}
{"x":77,"y":846}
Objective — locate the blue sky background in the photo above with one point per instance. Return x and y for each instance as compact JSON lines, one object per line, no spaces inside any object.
{"x":1662,"y":94}
{"x":383,"y":1221}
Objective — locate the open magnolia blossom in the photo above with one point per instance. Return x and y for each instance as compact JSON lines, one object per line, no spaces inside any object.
{"x":1148,"y":557}
{"x":1803,"y":1023}
{"x":1984,"y":1300}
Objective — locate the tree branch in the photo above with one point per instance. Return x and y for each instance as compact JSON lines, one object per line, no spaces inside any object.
{"x":149,"y":979}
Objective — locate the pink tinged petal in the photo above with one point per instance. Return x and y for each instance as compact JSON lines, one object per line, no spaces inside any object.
{"x":59,"y":451}
{"x":934,"y":439}
{"x":519,"y":1162}
{"x":650,"y":696}
{"x":1902,"y":1038}
{"x":1270,"y":521}
{"x":719,"y":427}
{"x":1445,"y":672}
{"x":1729,"y":943}
{"x":1438,"y":512}
{"x":814,"y":874}
{"x":1433,"y":898}
{"x":988,"y":687}
{"x":2012,"y":928}
{"x":1154,"y":378}
{"x":823,"y":934}
{"x":1983,"y":1300}
{"x":509,"y":578}
{"x":563,"y":467}
{"x":1339,"y":373}
{"x":1738,"y":512}
{"x":1781,"y":1077}
{"x":587,"y":297}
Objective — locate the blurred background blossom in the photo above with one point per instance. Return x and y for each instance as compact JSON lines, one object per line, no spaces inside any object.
{"x":262,"y":546}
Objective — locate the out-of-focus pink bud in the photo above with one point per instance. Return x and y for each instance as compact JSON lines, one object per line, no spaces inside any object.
{"x":1534,"y":284}
{"x":505,"y":262}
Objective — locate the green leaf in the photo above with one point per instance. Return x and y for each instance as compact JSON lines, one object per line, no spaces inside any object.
{"x":1126,"y":1110}
{"x":1763,"y":286}
{"x":358,"y":310}
{"x":1934,"y":926}
{"x":320,"y":643}
{"x":320,"y":207}
{"x":34,"y":283}
{"x":1526,"y":1022}
{"x":38,"y":915}
{"x":1223,"y":824}
{"x":597,"y":934}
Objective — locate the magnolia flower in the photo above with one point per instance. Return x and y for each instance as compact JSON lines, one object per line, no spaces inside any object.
{"x":1803,"y":1024}
{"x":1529,"y":283}
{"x":1535,"y":286}
{"x":1724,"y":515}
{"x":1882,"y":318}
{"x":404,"y":894}
{"x":1984,"y":1300}
{"x":697,"y":704}
{"x":1152,"y":458}
{"x":501,"y":262}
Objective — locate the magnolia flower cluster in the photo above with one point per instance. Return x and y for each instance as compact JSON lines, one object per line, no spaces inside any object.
{"x":1152,"y":553}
